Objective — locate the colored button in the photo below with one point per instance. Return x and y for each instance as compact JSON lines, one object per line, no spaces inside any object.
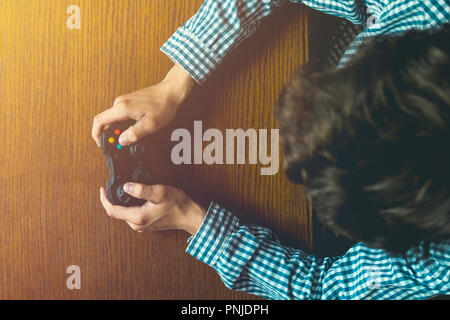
{"x":119,"y":147}
{"x":117,"y":131}
{"x":111,"y":140}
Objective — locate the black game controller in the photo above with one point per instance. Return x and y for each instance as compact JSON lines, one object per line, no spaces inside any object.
{"x":127,"y":163}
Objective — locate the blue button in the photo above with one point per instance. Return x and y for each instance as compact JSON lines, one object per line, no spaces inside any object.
{"x":119,"y":147}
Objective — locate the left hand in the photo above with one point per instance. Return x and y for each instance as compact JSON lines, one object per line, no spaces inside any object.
{"x":167,"y":208}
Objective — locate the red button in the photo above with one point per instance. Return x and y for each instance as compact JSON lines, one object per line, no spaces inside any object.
{"x":117,"y":131}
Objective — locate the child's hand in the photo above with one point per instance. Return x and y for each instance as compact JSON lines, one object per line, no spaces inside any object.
{"x":167,"y":208}
{"x":151,"y":107}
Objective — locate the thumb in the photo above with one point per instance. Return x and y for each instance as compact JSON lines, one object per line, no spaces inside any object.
{"x":153,"y":193}
{"x":136,"y":132}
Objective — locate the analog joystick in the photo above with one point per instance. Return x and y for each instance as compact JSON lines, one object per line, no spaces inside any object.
{"x":142,"y":175}
{"x":137,"y":150}
{"x":122,"y":196}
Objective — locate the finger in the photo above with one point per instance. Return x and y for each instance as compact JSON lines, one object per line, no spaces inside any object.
{"x":131,"y":214}
{"x":154,"y":193}
{"x":107,"y":117}
{"x":136,"y":227}
{"x":137,"y":131}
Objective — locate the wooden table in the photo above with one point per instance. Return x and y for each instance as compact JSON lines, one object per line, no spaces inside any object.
{"x":53,"y":80}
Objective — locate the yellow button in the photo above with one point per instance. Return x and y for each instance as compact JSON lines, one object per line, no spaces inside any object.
{"x":111,"y":140}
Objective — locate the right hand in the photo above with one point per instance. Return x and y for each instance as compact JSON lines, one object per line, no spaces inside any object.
{"x":151,"y":107}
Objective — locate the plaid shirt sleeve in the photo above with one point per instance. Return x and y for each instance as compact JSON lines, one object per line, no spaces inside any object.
{"x":396,"y":17}
{"x":250,"y":258}
{"x":201,"y":44}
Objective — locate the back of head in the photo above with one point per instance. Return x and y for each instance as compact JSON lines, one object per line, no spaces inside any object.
{"x":371,"y":141}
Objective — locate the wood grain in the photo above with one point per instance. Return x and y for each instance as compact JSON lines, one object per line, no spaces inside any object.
{"x":54,"y":80}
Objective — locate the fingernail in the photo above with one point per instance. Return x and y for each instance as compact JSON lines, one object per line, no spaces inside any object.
{"x":128,"y":187}
{"x":123,"y":140}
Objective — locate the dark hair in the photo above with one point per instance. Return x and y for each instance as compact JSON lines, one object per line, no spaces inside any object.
{"x":371,"y":140}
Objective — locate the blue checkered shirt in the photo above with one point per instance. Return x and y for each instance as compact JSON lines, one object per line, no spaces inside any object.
{"x":250,"y":258}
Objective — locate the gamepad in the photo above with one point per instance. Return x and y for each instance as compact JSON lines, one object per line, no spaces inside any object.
{"x":127,"y":163}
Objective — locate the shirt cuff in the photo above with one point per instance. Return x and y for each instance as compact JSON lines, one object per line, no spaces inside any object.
{"x":212,"y":237}
{"x":189,"y":51}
